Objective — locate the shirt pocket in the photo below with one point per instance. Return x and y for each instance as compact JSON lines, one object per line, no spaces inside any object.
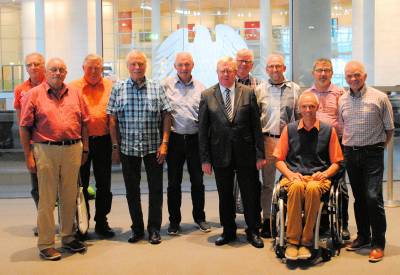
{"x":152,"y":105}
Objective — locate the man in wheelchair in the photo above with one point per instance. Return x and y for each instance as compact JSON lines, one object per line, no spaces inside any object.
{"x":308,"y":155}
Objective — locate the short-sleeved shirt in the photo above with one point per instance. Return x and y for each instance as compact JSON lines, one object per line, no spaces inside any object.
{"x":96,"y":98}
{"x":138,"y":108}
{"x":51,"y":117}
{"x":278,"y":105}
{"x":19,"y":91}
{"x":328,"y":110}
{"x":282,"y":148}
{"x":365,"y":117}
{"x":184,"y":99}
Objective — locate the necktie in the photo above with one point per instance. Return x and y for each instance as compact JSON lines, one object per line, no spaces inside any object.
{"x":228,"y":103}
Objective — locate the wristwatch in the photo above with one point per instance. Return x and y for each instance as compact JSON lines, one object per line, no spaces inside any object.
{"x":115,"y":146}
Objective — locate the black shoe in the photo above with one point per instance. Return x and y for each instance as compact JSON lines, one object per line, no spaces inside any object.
{"x":104,"y":230}
{"x":204,"y":226}
{"x":75,"y":246}
{"x":173,"y":229}
{"x":50,"y":254}
{"x":255,"y":240}
{"x":35,"y":231}
{"x":154,"y":237}
{"x":223,"y":239}
{"x":82,"y":237}
{"x":345,"y":234}
{"x":266,"y":229}
{"x":135,"y":237}
{"x":358,"y":243}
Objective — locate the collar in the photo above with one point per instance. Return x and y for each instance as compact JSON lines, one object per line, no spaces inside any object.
{"x":179,"y":80}
{"x":31,"y":84}
{"x":279,"y":85}
{"x":49,"y":90}
{"x":85,"y":83}
{"x":361,"y":94}
{"x":331,"y":88}
{"x":243,"y":80}
{"x":222,"y":88}
{"x":301,"y":125}
{"x":139,"y":84}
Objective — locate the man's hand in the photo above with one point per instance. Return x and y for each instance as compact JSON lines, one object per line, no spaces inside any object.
{"x":207,"y":169}
{"x":162,"y":152}
{"x":295,"y":176}
{"x":30,"y":163}
{"x":115,"y":156}
{"x":261,"y":163}
{"x":319,"y":176}
{"x":84,"y":157}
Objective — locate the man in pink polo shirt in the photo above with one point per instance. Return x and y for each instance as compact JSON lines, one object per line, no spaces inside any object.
{"x":328,"y":95}
{"x":54,"y":117}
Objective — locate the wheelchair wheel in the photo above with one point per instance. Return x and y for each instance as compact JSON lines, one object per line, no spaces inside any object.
{"x":335,"y":222}
{"x":326,"y":254}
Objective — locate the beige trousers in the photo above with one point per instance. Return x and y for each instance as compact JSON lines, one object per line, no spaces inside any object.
{"x":57,"y":170}
{"x":303,"y":195}
{"x":268,"y":176}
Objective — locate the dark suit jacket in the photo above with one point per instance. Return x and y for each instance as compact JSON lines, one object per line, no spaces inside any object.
{"x":221,"y":139}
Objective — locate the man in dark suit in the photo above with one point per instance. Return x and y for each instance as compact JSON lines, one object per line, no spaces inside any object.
{"x":230,"y":140}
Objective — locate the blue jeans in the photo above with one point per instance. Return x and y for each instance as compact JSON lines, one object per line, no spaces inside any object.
{"x":364,"y":166}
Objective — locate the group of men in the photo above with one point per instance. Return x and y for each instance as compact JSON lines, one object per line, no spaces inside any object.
{"x":234,"y":128}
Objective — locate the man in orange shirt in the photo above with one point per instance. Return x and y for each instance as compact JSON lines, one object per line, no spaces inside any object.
{"x":34,"y":64}
{"x":95,"y":91}
{"x":308,"y":154}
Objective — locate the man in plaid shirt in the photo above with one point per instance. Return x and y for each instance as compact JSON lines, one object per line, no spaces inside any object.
{"x":367,"y":118}
{"x":139,"y":111}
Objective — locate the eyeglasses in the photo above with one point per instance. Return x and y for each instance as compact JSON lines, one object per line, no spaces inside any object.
{"x":136,"y":64}
{"x":180,"y":65}
{"x":355,"y":75}
{"x":226,"y":71}
{"x":276,"y":66}
{"x":33,"y":64}
{"x":246,"y":62}
{"x":94,"y":68}
{"x":321,"y":70}
{"x":55,"y":70}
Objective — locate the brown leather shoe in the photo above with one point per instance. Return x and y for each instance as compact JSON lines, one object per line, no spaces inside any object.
{"x":375,"y":255}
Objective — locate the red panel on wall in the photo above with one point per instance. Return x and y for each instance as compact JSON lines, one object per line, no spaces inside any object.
{"x":124,"y":21}
{"x":252,"y":30}
{"x":191,"y":32}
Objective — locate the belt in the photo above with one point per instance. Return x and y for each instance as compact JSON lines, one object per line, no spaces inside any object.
{"x":271,"y":135}
{"x":97,"y":137}
{"x":63,"y":142}
{"x":366,"y":147}
{"x":185,"y":136}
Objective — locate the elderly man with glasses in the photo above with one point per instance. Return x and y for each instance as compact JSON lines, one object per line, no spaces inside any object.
{"x":277,"y":99}
{"x":35,"y":67}
{"x":54,"y":118}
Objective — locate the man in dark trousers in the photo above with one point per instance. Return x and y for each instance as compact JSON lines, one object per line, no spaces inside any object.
{"x":230,"y":139}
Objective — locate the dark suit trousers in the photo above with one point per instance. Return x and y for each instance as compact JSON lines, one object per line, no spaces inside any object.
{"x":100,"y":155}
{"x":249,"y":191}
{"x":131,"y":170}
{"x":365,"y":170}
{"x":184,"y":148}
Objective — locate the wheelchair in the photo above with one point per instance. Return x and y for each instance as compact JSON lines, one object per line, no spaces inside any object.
{"x":324,"y":246}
